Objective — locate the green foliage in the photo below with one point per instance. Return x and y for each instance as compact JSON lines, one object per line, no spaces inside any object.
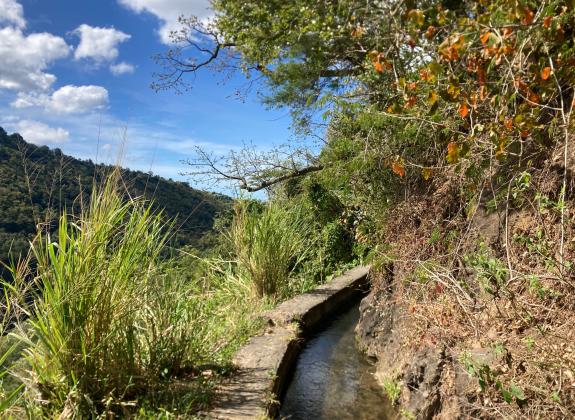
{"x":392,"y":389}
{"x":325,"y":204}
{"x":270,"y":244}
{"x":110,"y":322}
{"x":337,"y":243}
{"x":409,"y":90}
{"x":490,"y":271}
{"x":37,"y":184}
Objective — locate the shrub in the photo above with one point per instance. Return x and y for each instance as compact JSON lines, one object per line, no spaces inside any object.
{"x":269,"y":243}
{"x":106,"y":326}
{"x":337,"y":242}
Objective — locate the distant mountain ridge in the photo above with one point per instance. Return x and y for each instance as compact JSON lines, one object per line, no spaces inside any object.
{"x":36,"y":183}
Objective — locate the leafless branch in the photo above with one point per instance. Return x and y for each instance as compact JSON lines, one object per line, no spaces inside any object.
{"x":252,"y":170}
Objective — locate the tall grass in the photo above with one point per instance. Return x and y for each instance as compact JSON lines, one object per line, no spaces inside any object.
{"x":270,"y":243}
{"x":111,"y":325}
{"x":107,"y":325}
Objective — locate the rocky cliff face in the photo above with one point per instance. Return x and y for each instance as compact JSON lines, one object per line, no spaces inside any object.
{"x":471,"y":318}
{"x":384,"y":333}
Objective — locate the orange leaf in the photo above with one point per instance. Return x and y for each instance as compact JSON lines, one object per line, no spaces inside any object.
{"x":378,"y":67}
{"x":545,"y":73}
{"x":508,"y":49}
{"x":459,"y":43}
{"x":508,"y":123}
{"x":410,"y":102}
{"x":430,"y":32}
{"x":398,"y":168}
{"x":424,"y":74}
{"x":463,"y":110}
{"x":507,"y":31}
{"x":547,"y":22}
{"x":528,"y":16}
{"x":485,"y":37}
{"x":524,"y":134}
{"x":453,"y":152}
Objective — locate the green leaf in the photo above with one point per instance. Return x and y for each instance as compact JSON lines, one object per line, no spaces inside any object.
{"x":506,"y":396}
{"x":517,"y":392}
{"x":9,"y":400}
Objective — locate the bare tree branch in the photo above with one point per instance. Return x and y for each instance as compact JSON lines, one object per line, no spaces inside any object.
{"x":252,"y":170}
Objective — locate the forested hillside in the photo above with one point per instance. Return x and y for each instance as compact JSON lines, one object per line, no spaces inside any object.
{"x":36,"y":183}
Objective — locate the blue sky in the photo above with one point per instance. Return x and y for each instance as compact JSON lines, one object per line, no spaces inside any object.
{"x":76,"y":74}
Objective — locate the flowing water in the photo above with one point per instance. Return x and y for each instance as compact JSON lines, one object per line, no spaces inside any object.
{"x":332,"y":380}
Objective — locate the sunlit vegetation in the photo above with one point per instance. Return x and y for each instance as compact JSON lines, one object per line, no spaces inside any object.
{"x":446,"y":159}
{"x":37,"y":183}
{"x":99,"y":320}
{"x":447,"y":138}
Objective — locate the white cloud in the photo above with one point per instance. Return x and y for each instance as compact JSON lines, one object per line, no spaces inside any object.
{"x":12,"y":13}
{"x":76,"y":99}
{"x":68,"y":99}
{"x":98,"y":44}
{"x":122,"y":68}
{"x":26,"y":57}
{"x":168,"y":12}
{"x":40,"y":133}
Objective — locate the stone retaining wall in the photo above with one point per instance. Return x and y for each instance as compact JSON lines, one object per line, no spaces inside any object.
{"x":265,"y":363}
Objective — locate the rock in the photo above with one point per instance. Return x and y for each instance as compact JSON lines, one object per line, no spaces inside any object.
{"x":420,"y":395}
{"x":385,"y":332}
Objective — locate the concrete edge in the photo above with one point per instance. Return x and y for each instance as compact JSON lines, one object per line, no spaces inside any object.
{"x":265,"y":363}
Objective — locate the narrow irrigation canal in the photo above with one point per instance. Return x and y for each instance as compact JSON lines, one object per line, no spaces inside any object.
{"x":332,"y":380}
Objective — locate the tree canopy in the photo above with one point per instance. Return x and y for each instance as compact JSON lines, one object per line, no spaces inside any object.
{"x":477,"y":79}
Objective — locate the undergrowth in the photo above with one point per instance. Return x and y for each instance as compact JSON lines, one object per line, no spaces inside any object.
{"x":103,"y":325}
{"x":98,"y":322}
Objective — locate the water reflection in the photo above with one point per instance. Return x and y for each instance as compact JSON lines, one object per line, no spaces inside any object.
{"x":333,"y":380}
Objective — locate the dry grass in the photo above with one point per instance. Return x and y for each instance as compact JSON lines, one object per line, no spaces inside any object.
{"x":480,"y":282}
